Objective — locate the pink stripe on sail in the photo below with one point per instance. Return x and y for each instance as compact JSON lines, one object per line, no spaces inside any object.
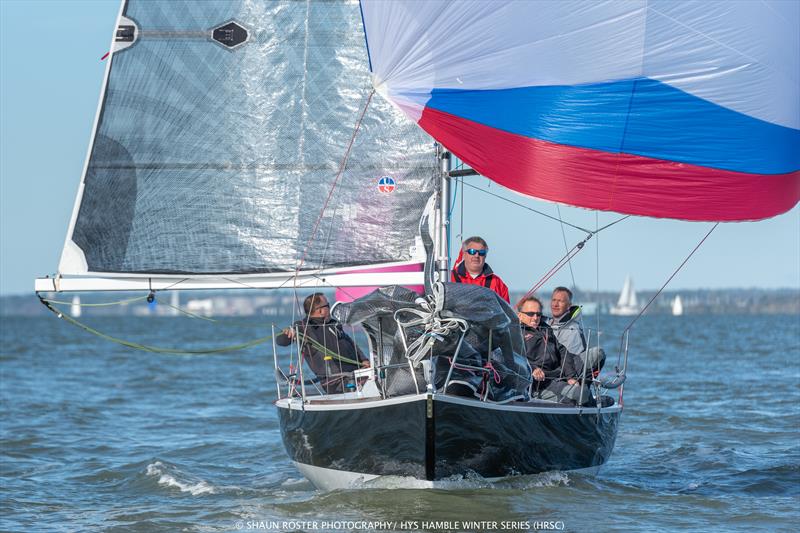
{"x":348,"y":294}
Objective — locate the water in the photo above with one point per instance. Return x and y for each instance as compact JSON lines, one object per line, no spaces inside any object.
{"x":96,"y":436}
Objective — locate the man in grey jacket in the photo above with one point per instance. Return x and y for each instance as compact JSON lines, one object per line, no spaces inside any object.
{"x":569,"y":332}
{"x":564,"y":322}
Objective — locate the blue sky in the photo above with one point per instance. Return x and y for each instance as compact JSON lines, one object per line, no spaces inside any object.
{"x":50,"y":83}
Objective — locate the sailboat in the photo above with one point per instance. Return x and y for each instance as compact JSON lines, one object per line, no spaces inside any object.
{"x":266,"y":145}
{"x":677,"y":306}
{"x":75,"y":307}
{"x":628,"y":303}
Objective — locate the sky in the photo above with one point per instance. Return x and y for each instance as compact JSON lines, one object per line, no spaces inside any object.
{"x":50,"y":80}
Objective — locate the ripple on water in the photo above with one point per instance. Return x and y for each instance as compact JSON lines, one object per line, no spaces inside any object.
{"x":96,"y":436}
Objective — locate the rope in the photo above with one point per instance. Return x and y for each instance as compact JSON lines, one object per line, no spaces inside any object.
{"x":140,"y":298}
{"x":99,"y":304}
{"x":566,"y":249}
{"x":525,"y":207}
{"x":558,"y":266}
{"x":434,"y":325}
{"x":335,"y":181}
{"x":232,"y":323}
{"x":325,"y":351}
{"x":148,"y":348}
{"x":670,"y":278}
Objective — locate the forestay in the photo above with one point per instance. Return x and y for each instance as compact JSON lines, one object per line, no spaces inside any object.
{"x":685,"y":110}
{"x":220,"y":132}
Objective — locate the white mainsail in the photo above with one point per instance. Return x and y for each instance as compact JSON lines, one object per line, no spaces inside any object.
{"x":221,"y":130}
{"x":628,"y":303}
{"x":677,"y":306}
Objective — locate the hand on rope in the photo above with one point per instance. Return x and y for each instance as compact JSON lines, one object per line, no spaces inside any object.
{"x":305,"y":339}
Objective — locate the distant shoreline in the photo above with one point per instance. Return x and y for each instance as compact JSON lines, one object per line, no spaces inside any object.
{"x":743,"y":301}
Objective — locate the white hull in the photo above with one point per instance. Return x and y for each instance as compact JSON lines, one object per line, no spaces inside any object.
{"x":624,"y":311}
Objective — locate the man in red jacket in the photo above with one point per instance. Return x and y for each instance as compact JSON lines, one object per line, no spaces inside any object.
{"x":471,"y":268}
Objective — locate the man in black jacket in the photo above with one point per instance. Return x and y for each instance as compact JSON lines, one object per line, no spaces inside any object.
{"x":330,"y":352}
{"x":554,"y":373}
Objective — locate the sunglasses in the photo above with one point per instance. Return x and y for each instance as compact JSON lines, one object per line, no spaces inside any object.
{"x":473,"y":251}
{"x":321,"y":307}
{"x":531,"y":313}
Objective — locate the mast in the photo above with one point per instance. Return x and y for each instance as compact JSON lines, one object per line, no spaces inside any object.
{"x":442,"y":218}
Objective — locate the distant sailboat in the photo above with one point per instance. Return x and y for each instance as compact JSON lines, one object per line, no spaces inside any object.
{"x":75,"y":308}
{"x":677,"y":306}
{"x":628,"y":303}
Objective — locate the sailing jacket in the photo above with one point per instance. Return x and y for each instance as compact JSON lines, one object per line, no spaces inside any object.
{"x":544,"y":351}
{"x":568,"y":330}
{"x":328,"y":350}
{"x":487,"y":278}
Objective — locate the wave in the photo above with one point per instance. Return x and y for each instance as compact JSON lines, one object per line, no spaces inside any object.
{"x":167,"y":479}
{"x":469,"y":481}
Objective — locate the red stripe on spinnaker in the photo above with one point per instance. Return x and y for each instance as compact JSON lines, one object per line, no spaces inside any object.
{"x":607,"y":181}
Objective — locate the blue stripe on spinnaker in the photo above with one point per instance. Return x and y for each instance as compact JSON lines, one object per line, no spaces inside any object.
{"x":640,"y":116}
{"x":364,"y":27}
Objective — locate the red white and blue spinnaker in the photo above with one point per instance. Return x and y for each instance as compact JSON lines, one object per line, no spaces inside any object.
{"x":687,"y":110}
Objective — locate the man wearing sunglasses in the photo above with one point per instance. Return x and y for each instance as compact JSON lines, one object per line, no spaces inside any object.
{"x":330,"y":352}
{"x":554,"y":373}
{"x":472,"y":268}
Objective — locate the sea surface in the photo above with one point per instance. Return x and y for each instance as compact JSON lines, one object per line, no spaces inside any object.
{"x":101,"y":437}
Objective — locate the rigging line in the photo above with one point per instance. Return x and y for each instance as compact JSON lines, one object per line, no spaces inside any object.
{"x":335,"y":181}
{"x":343,"y":289}
{"x":670,"y":278}
{"x":248,"y":286}
{"x":597,"y":275}
{"x":305,"y":339}
{"x":342,"y":166}
{"x":544,"y":214}
{"x":558,"y":266}
{"x":462,"y":208}
{"x":231,"y":323}
{"x":450,"y":219}
{"x":154,"y":349}
{"x":526,"y":207}
{"x":100,"y":304}
{"x":566,"y":248}
{"x":168,"y":287}
{"x":598,"y":230}
{"x":327,"y":241}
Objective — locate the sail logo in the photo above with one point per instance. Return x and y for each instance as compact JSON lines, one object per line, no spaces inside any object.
{"x":386,"y":184}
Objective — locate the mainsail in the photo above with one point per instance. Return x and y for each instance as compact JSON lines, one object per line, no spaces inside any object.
{"x":221,"y":130}
{"x":627,"y":298}
{"x":687,"y":110}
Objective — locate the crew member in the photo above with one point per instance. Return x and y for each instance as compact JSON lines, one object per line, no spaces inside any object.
{"x":473,"y":269}
{"x":330,"y":352}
